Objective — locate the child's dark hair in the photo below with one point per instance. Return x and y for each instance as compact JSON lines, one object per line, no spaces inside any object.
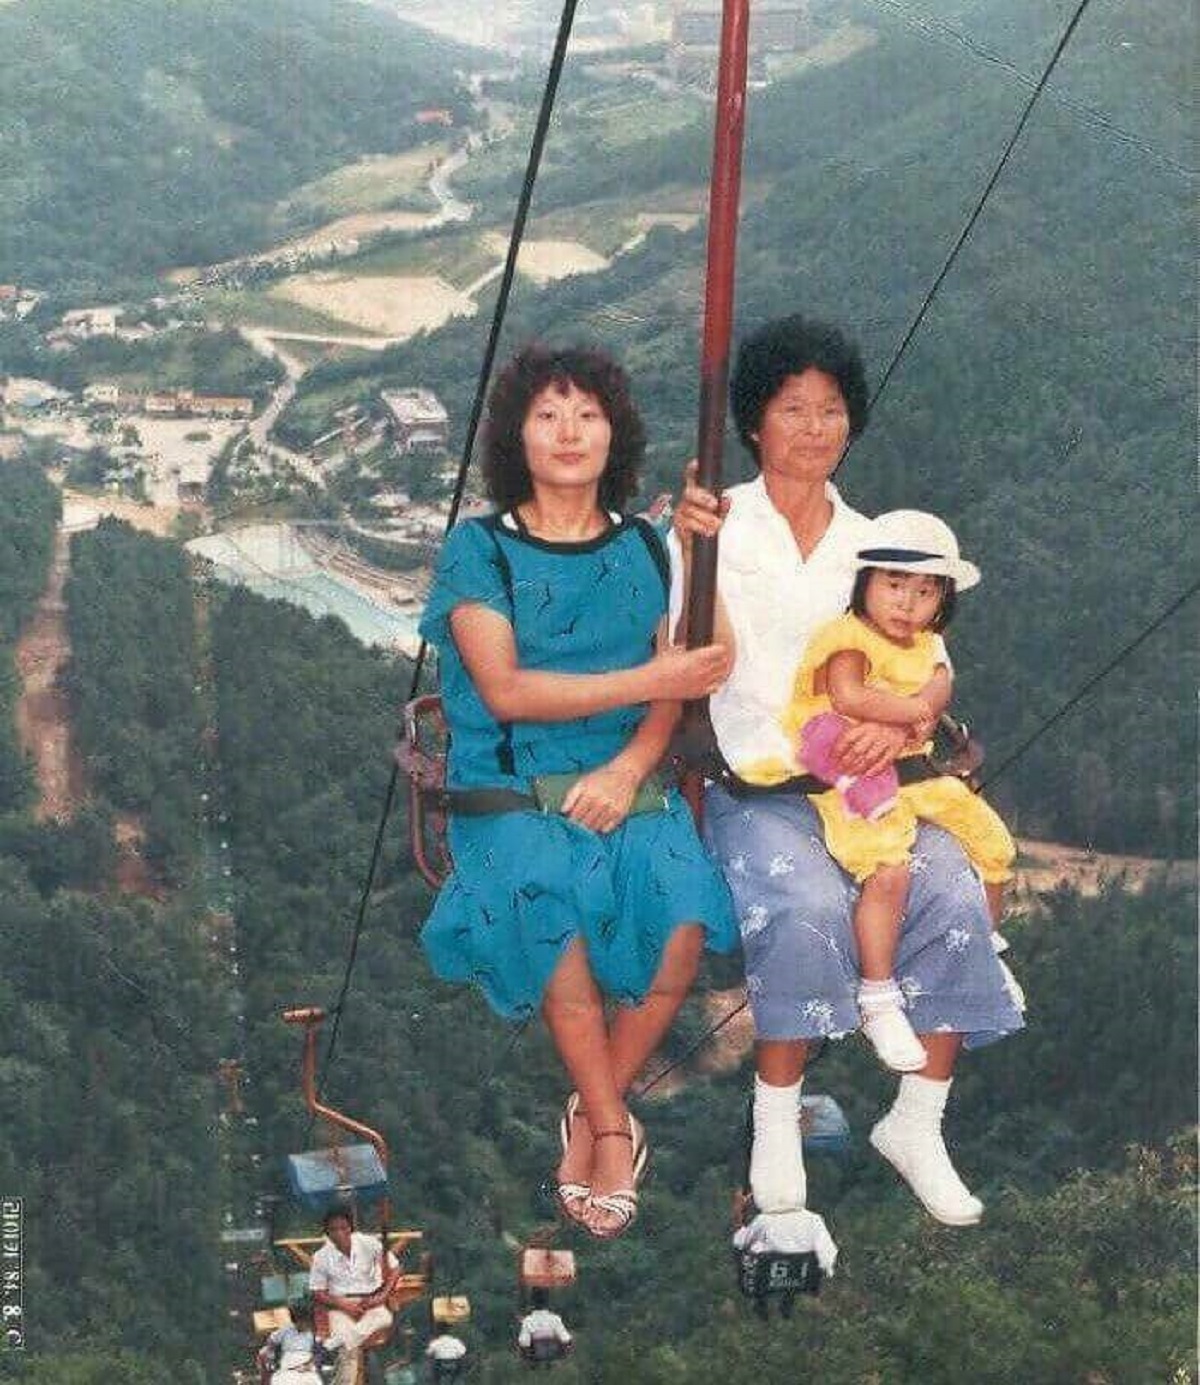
{"x":945,"y":612}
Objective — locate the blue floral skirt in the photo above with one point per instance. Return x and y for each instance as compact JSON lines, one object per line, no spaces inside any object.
{"x":795,"y":908}
{"x":526,"y":884}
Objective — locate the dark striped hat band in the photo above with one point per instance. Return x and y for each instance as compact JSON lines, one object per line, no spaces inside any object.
{"x":897,"y":555}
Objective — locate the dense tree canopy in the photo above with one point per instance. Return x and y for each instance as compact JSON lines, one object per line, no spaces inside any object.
{"x":134,"y":145}
{"x":132,"y":628}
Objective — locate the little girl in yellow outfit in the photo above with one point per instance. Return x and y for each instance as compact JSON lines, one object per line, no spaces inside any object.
{"x":885,"y":661}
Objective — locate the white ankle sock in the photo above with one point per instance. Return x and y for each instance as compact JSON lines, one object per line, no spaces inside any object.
{"x":910,"y":1138}
{"x":776,"y":1157}
{"x":878,"y":995}
{"x":920,"y":1101}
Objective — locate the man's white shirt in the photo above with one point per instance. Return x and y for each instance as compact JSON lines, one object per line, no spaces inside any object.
{"x":446,"y":1348}
{"x":541,"y":1322}
{"x":358,"y":1273}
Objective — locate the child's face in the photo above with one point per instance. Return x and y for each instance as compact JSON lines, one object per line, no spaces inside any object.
{"x":901,"y":604}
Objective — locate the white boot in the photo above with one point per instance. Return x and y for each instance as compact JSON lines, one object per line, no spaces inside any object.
{"x":886,"y":1026}
{"x":776,"y":1158}
{"x":910,"y":1138}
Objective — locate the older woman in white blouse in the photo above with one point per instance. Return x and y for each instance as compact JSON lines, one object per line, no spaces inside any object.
{"x":786,"y":565}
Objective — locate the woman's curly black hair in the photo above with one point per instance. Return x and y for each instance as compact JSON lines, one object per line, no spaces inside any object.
{"x":790,"y":346}
{"x":533,"y":369}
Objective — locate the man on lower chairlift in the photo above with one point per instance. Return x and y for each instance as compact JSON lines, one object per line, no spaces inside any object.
{"x":543,"y":1335}
{"x":348,"y":1277}
{"x":446,"y":1355}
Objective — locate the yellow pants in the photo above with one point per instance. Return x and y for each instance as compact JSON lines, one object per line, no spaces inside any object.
{"x":860,"y":847}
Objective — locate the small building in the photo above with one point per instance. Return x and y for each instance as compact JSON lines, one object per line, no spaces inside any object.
{"x":27,"y":395}
{"x":104,"y":394}
{"x":190,"y":479}
{"x":420,"y":423}
{"x":390,"y":504}
{"x":432,"y":116}
{"x":214,"y":405}
{"x":161,"y":402}
{"x":90,"y":322}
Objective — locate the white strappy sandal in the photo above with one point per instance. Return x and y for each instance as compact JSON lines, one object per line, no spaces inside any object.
{"x":622,"y":1203}
{"x":573,"y":1198}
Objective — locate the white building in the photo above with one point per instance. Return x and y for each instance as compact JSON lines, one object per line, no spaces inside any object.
{"x":419,"y":421}
{"x":91,"y":322}
{"x":27,"y":395}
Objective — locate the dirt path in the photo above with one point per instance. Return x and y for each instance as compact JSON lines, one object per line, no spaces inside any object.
{"x":1046,"y":866}
{"x":43,"y":719}
{"x":134,"y":874}
{"x":43,"y":713}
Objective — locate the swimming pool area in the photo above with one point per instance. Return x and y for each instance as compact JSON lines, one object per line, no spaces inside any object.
{"x":276,"y":566}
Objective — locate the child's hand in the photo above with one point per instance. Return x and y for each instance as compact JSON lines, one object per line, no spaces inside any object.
{"x":867,"y":747}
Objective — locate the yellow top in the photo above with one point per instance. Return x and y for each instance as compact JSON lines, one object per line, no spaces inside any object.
{"x":895,"y":668}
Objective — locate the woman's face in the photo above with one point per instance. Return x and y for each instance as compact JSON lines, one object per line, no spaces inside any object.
{"x":804,"y":428}
{"x":566,"y":438}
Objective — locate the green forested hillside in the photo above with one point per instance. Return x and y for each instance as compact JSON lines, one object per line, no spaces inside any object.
{"x":108,"y":1039}
{"x":132,"y":629}
{"x":114,"y":1017}
{"x":140,"y":136}
{"x":1045,"y":407}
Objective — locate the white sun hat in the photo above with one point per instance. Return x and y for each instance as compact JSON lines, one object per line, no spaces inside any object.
{"x":916,"y":542}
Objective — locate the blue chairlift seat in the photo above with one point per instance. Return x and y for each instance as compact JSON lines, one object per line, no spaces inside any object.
{"x":274,"y":1290}
{"x":823,"y":1126}
{"x":322,"y":1179}
{"x":280,"y":1289}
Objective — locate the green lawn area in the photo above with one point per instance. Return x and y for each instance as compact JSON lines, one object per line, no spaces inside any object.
{"x":606,"y":225}
{"x":457,"y":256}
{"x":371,"y":184}
{"x":311,"y":353}
{"x":249,"y":308}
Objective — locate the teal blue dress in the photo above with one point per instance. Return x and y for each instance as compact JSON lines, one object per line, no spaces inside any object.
{"x":525,"y":884}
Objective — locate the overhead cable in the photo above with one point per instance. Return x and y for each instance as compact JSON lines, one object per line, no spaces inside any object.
{"x":965,"y":233}
{"x":557,"y":62}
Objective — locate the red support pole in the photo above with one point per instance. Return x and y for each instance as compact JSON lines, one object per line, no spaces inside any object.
{"x":724,"y":191}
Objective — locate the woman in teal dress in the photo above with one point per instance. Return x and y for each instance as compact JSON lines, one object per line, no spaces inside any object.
{"x":549,"y":616}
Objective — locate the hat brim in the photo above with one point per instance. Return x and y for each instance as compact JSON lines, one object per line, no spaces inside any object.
{"x":964,"y":574}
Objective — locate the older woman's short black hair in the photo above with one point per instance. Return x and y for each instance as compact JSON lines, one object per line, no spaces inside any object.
{"x":533,"y":369}
{"x":790,"y":346}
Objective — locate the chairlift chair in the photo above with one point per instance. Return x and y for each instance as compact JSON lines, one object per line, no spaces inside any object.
{"x":349,"y":1176}
{"x":542,"y":1266}
{"x":421,"y":755}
